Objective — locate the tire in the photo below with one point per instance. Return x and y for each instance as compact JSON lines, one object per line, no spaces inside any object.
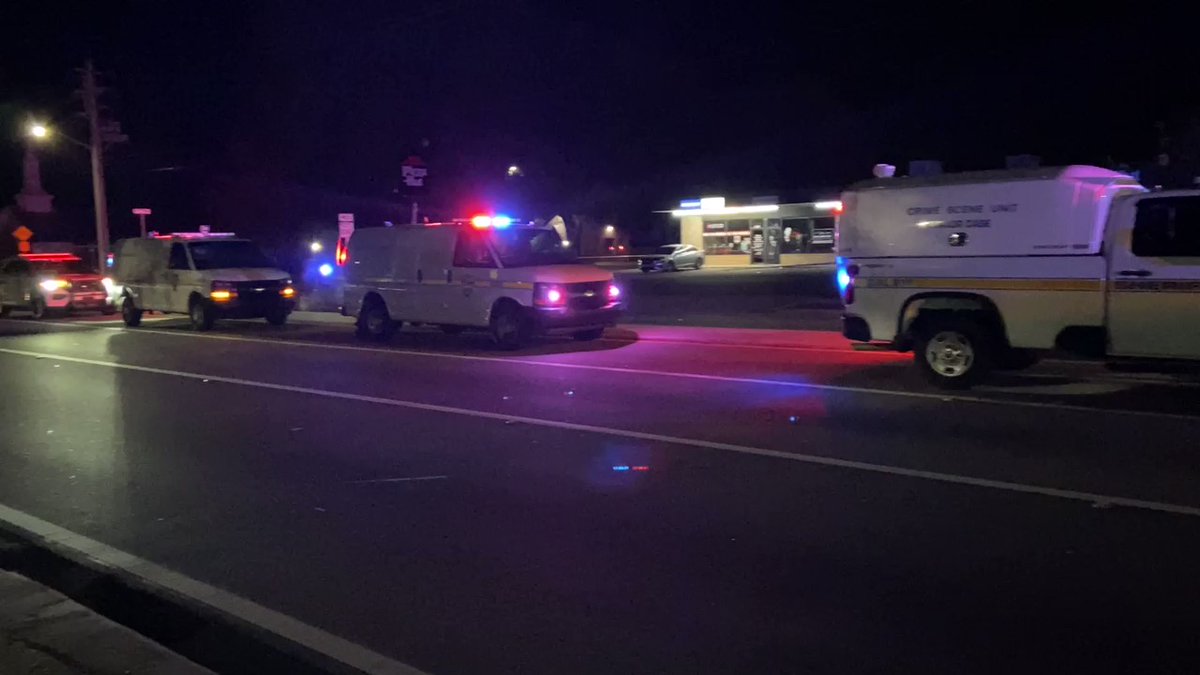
{"x":699,"y":263}
{"x":201,"y":314}
{"x":130,"y":313}
{"x":277,"y":317}
{"x":37,"y":308}
{"x":508,"y":327}
{"x":954,"y":353}
{"x":374,"y":322}
{"x":588,"y":335}
{"x":452,"y":330}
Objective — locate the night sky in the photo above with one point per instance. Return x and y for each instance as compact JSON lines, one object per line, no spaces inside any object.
{"x":636,"y":105}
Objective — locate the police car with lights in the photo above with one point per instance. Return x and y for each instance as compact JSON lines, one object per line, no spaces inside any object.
{"x":513,"y":280}
{"x":45,"y":283}
{"x":985,"y":270}
{"x":204,"y":275}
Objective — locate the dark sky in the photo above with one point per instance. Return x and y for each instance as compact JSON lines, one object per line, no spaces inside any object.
{"x":660,"y":99}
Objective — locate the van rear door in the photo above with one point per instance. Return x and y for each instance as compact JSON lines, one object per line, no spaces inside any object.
{"x":1154,"y":276}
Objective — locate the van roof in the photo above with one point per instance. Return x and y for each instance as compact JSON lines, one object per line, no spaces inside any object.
{"x":1072,"y":172}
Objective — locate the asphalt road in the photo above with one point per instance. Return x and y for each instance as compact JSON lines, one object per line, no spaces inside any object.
{"x":664,"y":500}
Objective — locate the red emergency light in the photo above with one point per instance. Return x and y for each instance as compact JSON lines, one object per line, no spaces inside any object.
{"x":342,"y":253}
{"x":51,"y":257}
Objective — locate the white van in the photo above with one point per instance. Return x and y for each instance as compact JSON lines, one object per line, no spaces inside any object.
{"x":206,"y":276}
{"x":983,"y":270}
{"x":513,"y":280}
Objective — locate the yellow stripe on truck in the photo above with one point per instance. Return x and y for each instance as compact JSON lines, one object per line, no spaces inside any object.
{"x":945,"y":284}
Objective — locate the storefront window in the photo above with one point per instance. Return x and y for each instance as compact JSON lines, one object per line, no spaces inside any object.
{"x":807,"y":235}
{"x":727,"y":238}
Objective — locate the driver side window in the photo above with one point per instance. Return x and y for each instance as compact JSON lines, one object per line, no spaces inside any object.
{"x":178,"y":259}
{"x":472,"y":251}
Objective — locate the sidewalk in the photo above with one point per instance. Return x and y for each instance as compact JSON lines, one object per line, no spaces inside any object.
{"x":43,"y":632}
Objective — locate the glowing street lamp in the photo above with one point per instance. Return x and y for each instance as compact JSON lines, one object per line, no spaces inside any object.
{"x":38,"y":131}
{"x":513,"y":171}
{"x":316,"y":247}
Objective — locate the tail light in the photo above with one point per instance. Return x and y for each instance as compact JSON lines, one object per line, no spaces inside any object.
{"x":342,"y":254}
{"x":846,"y":275}
{"x":549,"y":295}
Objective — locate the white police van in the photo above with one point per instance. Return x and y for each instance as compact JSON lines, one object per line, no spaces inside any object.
{"x":984,"y":270}
{"x":207,"y":276}
{"x":515,"y":281}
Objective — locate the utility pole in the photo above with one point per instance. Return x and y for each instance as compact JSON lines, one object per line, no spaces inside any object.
{"x":91,"y":108}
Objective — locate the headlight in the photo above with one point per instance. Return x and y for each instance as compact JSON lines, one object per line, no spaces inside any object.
{"x":549,"y":295}
{"x":223,"y":291}
{"x":51,"y":285}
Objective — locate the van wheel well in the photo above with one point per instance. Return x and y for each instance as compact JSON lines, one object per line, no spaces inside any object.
{"x":371,"y":299}
{"x":194,"y":298}
{"x":921,"y":310}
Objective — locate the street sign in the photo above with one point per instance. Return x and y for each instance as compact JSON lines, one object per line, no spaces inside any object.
{"x":345,"y":225}
{"x":23,"y":234}
{"x":413,"y":171}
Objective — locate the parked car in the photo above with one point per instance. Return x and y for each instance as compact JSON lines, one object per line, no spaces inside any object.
{"x":673,"y":257}
{"x":44,"y":283}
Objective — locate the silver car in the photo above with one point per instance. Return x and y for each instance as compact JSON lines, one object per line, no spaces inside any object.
{"x":673,"y":257}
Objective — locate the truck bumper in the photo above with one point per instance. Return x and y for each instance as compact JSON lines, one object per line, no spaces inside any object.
{"x":255,"y":309}
{"x":568,"y":320}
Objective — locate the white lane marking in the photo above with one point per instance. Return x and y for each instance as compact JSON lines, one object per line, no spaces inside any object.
{"x":939,"y":396}
{"x":95,"y":554}
{"x":962,"y":398}
{"x":937,"y":476}
{"x":395,"y":480}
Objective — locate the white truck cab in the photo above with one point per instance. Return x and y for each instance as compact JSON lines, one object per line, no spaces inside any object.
{"x":206,"y":276}
{"x":984,"y":270}
{"x":513,"y":280}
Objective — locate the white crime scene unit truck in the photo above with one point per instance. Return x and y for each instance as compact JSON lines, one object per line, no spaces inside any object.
{"x":515,"y":281}
{"x":983,"y":270}
{"x":206,"y":276}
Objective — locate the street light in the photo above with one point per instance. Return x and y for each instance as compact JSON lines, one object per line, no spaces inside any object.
{"x":316,"y":247}
{"x":513,"y":171}
{"x":40,"y":133}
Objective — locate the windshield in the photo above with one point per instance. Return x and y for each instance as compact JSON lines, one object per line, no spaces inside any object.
{"x":212,"y":255}
{"x":528,"y":246}
{"x":62,"y":267}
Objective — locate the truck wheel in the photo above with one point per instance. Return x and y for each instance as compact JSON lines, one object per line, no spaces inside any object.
{"x":277,"y":317}
{"x":509,"y":329}
{"x":588,"y":335}
{"x":201,"y":315}
{"x":374,"y":322}
{"x":131,"y":314}
{"x":953,"y":353}
{"x":37,"y":308}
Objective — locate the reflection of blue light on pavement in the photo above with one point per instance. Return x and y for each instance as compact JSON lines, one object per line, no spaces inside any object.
{"x":325,"y":269}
